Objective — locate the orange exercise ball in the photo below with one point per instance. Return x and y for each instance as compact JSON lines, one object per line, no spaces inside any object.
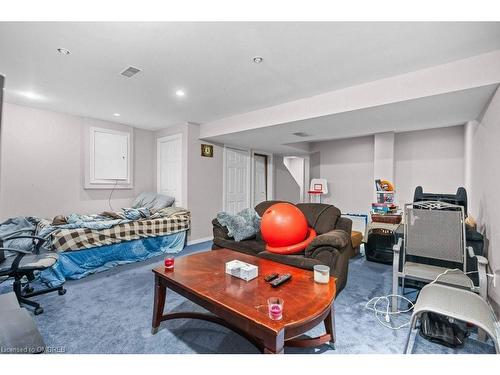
{"x":283,"y":224}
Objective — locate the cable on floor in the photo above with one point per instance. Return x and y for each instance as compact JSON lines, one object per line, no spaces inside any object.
{"x":386,"y":312}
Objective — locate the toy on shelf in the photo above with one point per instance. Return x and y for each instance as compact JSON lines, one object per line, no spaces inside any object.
{"x":384,"y":185}
{"x":318,"y":187}
{"x":385,"y":210}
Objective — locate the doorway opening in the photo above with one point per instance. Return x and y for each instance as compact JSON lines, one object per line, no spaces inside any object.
{"x":260,"y":180}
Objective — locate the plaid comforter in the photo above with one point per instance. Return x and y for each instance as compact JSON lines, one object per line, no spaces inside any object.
{"x":84,"y":238}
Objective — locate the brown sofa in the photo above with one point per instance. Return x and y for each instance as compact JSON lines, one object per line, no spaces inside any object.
{"x":332,"y":247}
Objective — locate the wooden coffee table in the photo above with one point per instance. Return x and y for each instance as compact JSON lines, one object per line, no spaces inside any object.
{"x":242,"y":306}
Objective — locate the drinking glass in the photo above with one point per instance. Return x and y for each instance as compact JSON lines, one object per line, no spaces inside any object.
{"x":321,"y":274}
{"x":169,"y":262}
{"x":275,"y":308}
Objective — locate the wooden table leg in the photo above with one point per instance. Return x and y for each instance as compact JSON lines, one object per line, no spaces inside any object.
{"x":330,"y":324}
{"x":159,"y":303}
{"x":274,"y":345}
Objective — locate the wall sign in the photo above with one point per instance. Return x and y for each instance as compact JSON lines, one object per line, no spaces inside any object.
{"x":207,"y":151}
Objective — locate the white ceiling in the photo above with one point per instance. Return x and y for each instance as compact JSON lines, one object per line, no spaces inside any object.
{"x":212,"y":62}
{"x":454,"y":108}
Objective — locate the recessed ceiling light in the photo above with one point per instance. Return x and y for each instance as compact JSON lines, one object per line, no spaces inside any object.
{"x":180,"y":93}
{"x":31,"y":95}
{"x":116,"y":114}
{"x":257,"y":59}
{"x":63,"y":51}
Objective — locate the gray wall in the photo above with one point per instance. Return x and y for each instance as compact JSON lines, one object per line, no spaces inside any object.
{"x":315,"y":165}
{"x":485,"y":187}
{"x":347,"y":164}
{"x":432,"y":158}
{"x":42,"y":168}
{"x":285,"y":187}
{"x":204,"y":185}
{"x":42,"y":165}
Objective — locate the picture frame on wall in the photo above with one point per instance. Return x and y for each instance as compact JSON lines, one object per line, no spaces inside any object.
{"x":207,"y":151}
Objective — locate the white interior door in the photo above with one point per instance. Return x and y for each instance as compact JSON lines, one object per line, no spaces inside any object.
{"x":169,"y":153}
{"x":237,"y":186}
{"x":260,"y":178}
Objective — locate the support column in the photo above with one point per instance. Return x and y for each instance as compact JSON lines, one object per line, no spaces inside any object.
{"x":469,"y":131}
{"x":383,"y":157}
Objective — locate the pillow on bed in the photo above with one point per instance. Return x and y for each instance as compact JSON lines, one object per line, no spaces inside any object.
{"x":163,"y":201}
{"x":153,"y":201}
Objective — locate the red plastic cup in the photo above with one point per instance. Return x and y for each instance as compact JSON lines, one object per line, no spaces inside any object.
{"x":169,"y":263}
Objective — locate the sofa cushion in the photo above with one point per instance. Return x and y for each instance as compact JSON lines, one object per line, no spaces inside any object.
{"x":321,"y":217}
{"x":295,"y":260}
{"x":263,"y":206}
{"x":251,"y":247}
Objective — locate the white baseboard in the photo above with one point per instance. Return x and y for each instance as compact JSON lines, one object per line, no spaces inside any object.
{"x":199,"y":240}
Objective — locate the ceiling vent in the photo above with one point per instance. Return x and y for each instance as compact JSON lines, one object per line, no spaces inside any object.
{"x":130,"y":71}
{"x":302,"y":134}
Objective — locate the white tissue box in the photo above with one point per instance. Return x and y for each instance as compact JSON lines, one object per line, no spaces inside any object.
{"x":242,"y":270}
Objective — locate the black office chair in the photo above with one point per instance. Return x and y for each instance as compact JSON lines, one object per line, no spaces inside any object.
{"x":24,"y":264}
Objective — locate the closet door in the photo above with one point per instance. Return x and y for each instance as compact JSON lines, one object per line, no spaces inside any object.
{"x":236,"y":180}
{"x":169,"y":173}
{"x":260,"y":179}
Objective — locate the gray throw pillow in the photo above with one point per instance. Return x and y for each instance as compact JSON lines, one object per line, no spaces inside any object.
{"x":242,"y":226}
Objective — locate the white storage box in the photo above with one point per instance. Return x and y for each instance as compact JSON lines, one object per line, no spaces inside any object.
{"x":242,"y":270}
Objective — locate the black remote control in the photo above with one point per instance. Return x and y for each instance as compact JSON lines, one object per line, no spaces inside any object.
{"x":280,"y":280}
{"x":271,"y":276}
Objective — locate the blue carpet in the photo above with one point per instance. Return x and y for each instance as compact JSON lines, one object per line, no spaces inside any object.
{"x":111,"y":312}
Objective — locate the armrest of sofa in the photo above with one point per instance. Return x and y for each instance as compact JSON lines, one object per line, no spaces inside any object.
{"x":336,"y":239}
{"x":344,"y":223}
{"x":220,"y":231}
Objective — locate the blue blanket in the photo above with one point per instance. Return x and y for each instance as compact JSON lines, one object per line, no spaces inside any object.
{"x":20,"y":226}
{"x":77,"y":264}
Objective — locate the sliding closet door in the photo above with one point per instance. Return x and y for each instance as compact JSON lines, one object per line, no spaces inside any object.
{"x":169,"y":174}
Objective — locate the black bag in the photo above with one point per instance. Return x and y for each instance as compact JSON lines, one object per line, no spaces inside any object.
{"x":439,"y":329}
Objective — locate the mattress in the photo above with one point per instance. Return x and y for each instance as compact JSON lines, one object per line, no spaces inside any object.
{"x":63,"y":240}
{"x":73,"y":265}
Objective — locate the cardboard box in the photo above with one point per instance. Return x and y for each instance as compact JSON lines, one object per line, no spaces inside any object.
{"x":242,"y":270}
